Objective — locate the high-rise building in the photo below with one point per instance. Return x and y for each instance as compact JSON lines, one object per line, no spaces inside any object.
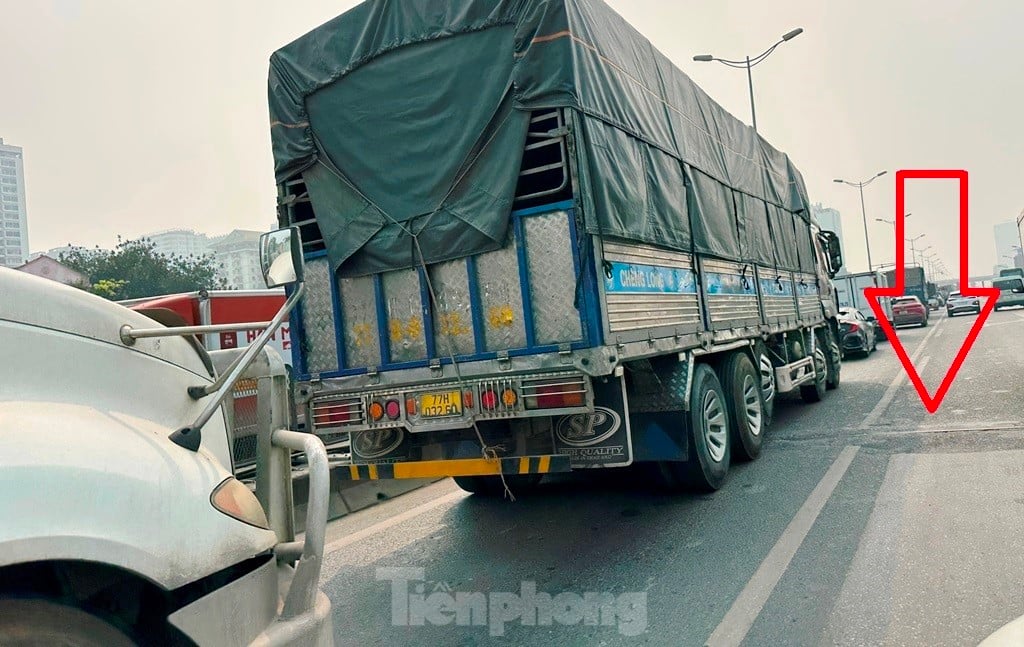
{"x":13,"y":211}
{"x":180,"y":242}
{"x":1007,"y":241}
{"x":829,"y":219}
{"x":239,"y":257}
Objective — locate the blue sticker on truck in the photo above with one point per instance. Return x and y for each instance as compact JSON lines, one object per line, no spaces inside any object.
{"x":773,"y":288}
{"x":632,"y":277}
{"x":719,"y":283}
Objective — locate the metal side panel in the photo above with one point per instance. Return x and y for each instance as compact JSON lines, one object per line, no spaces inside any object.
{"x":453,"y":316}
{"x":808,"y":300}
{"x":649,"y":288}
{"x":731,"y":294}
{"x":318,"y":322}
{"x":403,"y":303}
{"x":501,"y":298}
{"x":359,"y":303}
{"x":778,"y":295}
{"x":551,"y":269}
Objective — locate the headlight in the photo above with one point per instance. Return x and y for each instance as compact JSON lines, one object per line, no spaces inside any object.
{"x":234,"y":499}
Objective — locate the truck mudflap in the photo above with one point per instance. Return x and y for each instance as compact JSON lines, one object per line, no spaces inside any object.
{"x":547,"y":464}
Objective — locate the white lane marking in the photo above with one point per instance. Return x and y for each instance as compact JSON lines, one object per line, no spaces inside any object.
{"x":890,"y":392}
{"x":897,"y":381}
{"x":744,"y":610}
{"x":393,"y":521}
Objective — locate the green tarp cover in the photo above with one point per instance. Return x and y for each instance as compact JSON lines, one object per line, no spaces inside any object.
{"x":407,"y":122}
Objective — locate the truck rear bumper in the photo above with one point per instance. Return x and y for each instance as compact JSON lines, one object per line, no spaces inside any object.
{"x":246,"y":611}
{"x":548,"y":464}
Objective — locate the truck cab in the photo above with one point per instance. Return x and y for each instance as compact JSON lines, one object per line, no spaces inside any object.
{"x":121,"y":520}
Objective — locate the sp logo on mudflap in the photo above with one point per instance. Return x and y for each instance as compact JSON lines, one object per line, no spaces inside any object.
{"x":376,"y":443}
{"x":586,"y":429}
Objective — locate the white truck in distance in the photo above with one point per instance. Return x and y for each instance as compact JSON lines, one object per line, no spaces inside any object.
{"x":120,"y":520}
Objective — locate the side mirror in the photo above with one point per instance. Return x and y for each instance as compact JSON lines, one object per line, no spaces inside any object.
{"x":833,"y":252}
{"x":872,"y":318}
{"x":281,"y":257}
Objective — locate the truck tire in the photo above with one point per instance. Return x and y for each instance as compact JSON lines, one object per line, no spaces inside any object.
{"x":492,"y":486}
{"x":766,"y":371}
{"x":833,"y":359}
{"x":35,"y":622}
{"x":707,"y":465}
{"x":742,"y":387}
{"x":815,"y":391}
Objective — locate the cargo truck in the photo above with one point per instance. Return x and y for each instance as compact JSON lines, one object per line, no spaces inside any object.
{"x":534,"y":245}
{"x":120,"y":520}
{"x":850,"y":294}
{"x":913,"y":282}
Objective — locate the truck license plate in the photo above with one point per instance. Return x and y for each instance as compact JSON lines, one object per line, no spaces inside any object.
{"x":439,"y":405}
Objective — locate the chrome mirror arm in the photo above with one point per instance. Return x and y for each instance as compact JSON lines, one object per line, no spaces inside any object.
{"x":190,"y":436}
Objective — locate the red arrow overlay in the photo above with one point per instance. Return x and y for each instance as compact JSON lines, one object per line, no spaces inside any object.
{"x":931,"y":402}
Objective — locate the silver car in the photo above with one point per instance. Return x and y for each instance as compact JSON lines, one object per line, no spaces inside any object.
{"x":959,"y":303}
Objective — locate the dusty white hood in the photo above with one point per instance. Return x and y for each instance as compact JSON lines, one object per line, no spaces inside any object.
{"x":34,"y":301}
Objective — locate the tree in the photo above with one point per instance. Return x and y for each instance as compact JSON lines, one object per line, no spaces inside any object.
{"x":134,"y":269}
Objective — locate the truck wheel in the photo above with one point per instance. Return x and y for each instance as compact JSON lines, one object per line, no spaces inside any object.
{"x":708,"y":462}
{"x":491,"y":485}
{"x":746,"y":405}
{"x":815,"y":391}
{"x":36,"y":622}
{"x":833,"y":360}
{"x":766,"y":371}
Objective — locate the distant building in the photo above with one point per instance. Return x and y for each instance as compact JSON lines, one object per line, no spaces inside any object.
{"x":180,"y":242}
{"x":1007,"y":241}
{"x":53,"y":252}
{"x":49,"y":268}
{"x":238,"y":255}
{"x":13,"y":210}
{"x":829,"y":219}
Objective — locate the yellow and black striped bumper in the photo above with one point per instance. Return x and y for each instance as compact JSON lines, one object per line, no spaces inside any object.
{"x":455,"y":467}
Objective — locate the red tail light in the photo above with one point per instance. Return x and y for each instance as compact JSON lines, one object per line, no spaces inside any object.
{"x":488,"y":400}
{"x":554,"y":396}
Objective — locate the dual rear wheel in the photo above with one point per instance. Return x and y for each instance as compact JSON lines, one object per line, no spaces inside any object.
{"x":727,"y":419}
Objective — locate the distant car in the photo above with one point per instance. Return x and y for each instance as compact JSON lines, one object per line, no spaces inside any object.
{"x":857,"y":334}
{"x":934,"y":303}
{"x":909,"y":310}
{"x":1011,"y":292}
{"x":957,"y":303}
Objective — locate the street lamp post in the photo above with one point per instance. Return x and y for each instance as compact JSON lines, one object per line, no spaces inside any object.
{"x":863,"y":212}
{"x":749,"y":63}
{"x":913,"y":252}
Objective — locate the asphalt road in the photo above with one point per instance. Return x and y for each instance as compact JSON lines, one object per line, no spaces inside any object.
{"x":866,"y":521}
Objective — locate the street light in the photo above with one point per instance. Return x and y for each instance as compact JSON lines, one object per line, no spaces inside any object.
{"x":748,"y":63}
{"x":863,"y":213}
{"x":893,"y":222}
{"x":913,"y":253}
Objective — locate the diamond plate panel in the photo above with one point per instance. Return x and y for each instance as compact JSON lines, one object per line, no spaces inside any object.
{"x":359,"y":315}
{"x":404,"y":303}
{"x":453,"y":318}
{"x":497,"y":275}
{"x":318,"y":318}
{"x":655,"y":387}
{"x":549,"y":245}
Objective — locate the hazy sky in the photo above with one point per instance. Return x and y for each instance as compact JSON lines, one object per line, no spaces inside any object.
{"x":138,"y":115}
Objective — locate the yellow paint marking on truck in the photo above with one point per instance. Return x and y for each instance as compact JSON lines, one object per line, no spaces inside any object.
{"x":524,"y":465}
{"x":545,"y":463}
{"x":373,"y":471}
{"x":354,"y":471}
